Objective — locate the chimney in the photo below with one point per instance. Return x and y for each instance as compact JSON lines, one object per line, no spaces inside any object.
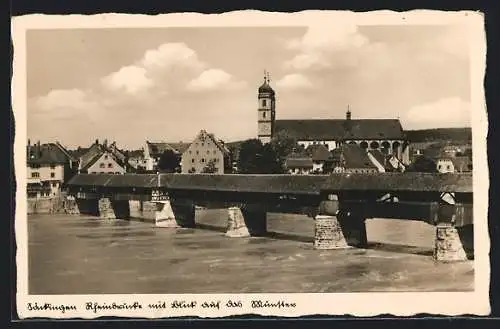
{"x":348,"y":115}
{"x":38,"y":150}
{"x":97,"y":141}
{"x":105,"y":143}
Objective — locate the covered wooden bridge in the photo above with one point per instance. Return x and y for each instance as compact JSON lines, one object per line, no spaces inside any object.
{"x":339,"y":203}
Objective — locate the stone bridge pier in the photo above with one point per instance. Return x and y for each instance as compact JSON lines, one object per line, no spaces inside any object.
{"x":452,"y":243}
{"x":169,"y":213}
{"x":113,"y":209}
{"x":246,"y":220}
{"x":337,"y":228}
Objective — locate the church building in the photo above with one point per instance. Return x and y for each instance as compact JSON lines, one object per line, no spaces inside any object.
{"x":386,"y":135}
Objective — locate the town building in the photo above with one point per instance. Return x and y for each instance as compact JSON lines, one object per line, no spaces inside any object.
{"x":460,"y":164}
{"x":49,"y":166}
{"x":386,"y":135}
{"x":351,"y":158}
{"x":102,"y":159}
{"x":204,"y":151}
{"x":299,"y":164}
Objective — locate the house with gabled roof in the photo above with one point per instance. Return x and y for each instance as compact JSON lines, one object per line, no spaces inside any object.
{"x":350,"y":158}
{"x":49,"y":166}
{"x":204,"y":150}
{"x":102,"y":159}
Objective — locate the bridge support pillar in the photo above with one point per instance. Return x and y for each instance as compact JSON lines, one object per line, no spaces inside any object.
{"x":336,"y":229}
{"x":448,"y":243}
{"x":71,"y":205}
{"x":106,"y":210}
{"x":248,"y":220}
{"x":236,"y":227}
{"x":164,"y":215}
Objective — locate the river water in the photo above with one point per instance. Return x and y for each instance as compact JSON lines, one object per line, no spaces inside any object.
{"x":71,"y":254}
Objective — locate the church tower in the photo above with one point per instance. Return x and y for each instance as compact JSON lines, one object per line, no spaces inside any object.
{"x":266,"y":111}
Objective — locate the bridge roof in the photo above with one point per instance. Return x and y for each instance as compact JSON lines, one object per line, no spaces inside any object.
{"x":390,"y":181}
{"x":285,"y":184}
{"x":245,"y":183}
{"x":106,"y":180}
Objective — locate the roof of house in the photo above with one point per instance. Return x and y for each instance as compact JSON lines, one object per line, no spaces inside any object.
{"x":136,"y":154}
{"x":98,"y":156}
{"x":337,"y":129}
{"x":379,"y":156}
{"x":318,"y":152}
{"x":299,"y":163}
{"x":157,"y":148}
{"x":219,"y":143}
{"x":92,"y":152}
{"x":49,"y":153}
{"x":355,"y":157}
{"x":180,"y":146}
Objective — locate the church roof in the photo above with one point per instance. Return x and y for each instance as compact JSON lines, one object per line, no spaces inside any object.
{"x":337,"y":129}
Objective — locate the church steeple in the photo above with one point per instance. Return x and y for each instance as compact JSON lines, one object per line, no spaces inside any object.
{"x":266,"y":110}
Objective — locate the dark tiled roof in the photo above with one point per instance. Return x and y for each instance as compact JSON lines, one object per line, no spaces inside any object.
{"x":335,"y":129}
{"x":136,"y":154}
{"x":50,"y":153}
{"x":379,"y":156}
{"x":299,"y":163}
{"x":157,"y":148}
{"x":356,"y":157}
{"x":93,"y":151}
{"x":180,"y":146}
{"x":319,"y":152}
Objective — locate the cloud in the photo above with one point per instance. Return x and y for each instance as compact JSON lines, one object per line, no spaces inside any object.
{"x":171,"y":54}
{"x":132,"y":79}
{"x":294,"y":81}
{"x":443,"y":113}
{"x":212,"y":79}
{"x":60,"y":98}
{"x":315,"y":46}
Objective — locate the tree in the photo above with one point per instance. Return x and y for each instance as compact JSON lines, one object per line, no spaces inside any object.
{"x":210,"y":168}
{"x":169,"y":162}
{"x":283,"y":144}
{"x":422,"y":164}
{"x":255,"y":158}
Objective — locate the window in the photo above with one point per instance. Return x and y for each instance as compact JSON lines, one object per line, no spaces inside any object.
{"x":190,"y":152}
{"x":102,"y":165}
{"x":110,"y":165}
{"x":264,"y":103}
{"x":197,"y":152}
{"x":52,"y":175}
{"x":202,"y":159}
{"x":54,"y":184}
{"x":52,"y":166}
{"x":439,"y":166}
{"x":105,"y":157}
{"x":448,"y":167}
{"x":264,"y":115}
{"x":93,"y":172}
{"x":192,"y":160}
{"x":35,"y":174}
{"x":208,"y":152}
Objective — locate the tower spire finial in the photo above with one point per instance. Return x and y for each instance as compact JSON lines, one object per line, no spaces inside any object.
{"x":268,"y":77}
{"x":265,"y":75}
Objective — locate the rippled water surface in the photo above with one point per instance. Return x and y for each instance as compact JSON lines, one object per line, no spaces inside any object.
{"x":85,"y":255}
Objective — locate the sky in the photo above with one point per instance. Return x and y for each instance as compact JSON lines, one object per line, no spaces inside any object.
{"x":166,"y":84}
